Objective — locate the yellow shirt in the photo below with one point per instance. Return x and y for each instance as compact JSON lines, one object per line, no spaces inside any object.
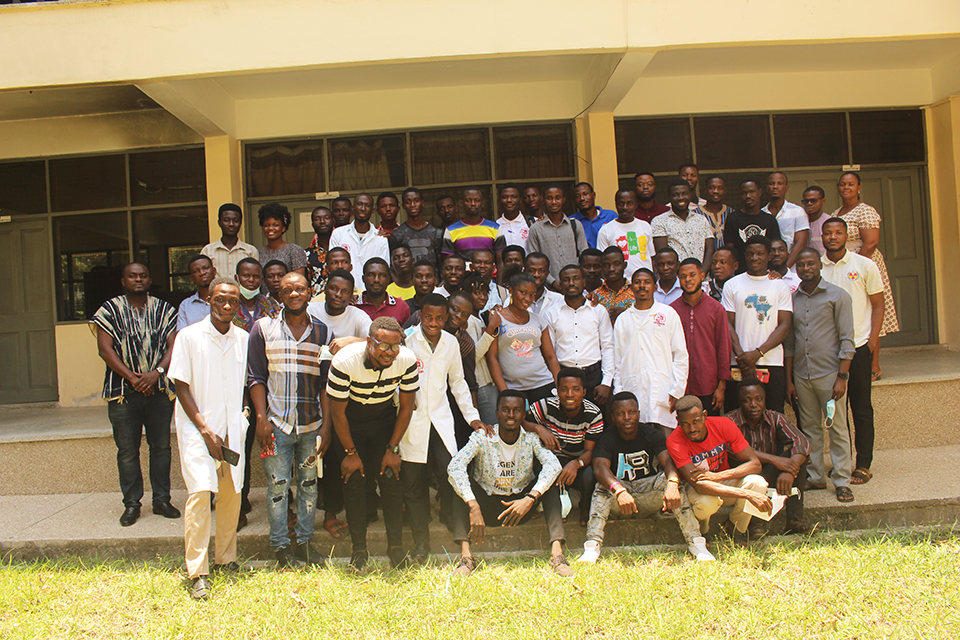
{"x":404,"y":293}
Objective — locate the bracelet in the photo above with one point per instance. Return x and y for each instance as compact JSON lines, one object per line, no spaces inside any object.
{"x":580,"y":462}
{"x":676,"y":480}
{"x":615,"y":484}
{"x":762,"y":354}
{"x":619,"y":491}
{"x":531,"y":496}
{"x":351,"y":452}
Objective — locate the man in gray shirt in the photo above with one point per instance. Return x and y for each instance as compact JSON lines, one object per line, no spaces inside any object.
{"x":817,"y":355}
{"x":560,"y":238}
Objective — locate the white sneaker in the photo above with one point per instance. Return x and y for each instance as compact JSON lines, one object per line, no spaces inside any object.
{"x":591,"y":551}
{"x":698,"y":547}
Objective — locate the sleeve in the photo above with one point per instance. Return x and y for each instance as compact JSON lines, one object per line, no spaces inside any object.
{"x":182,"y":316}
{"x":784,"y":297}
{"x":533,"y":238}
{"x":537,"y":412}
{"x":207,"y":251}
{"x":602,"y":237}
{"x":363,"y":323}
{"x":681,"y":359}
{"x":604,"y":447}
{"x":457,"y":469}
{"x":483,"y":343}
{"x":410,"y":380}
{"x":657,"y":442}
{"x":790,"y":342}
{"x":298,"y":256}
{"x":104,"y":319}
{"x":257,"y":365}
{"x":659,"y":226}
{"x":732,"y":434}
{"x":730,"y":230}
{"x":460,"y":388}
{"x":468,"y":369}
{"x":396,"y":239}
{"x":871,"y":277}
{"x":678,"y":449}
{"x":869,"y":218}
{"x":180,"y":361}
{"x":550,"y":466}
{"x":607,"y":352}
{"x":724,"y":344}
{"x":803,"y":222}
{"x":338,"y":380}
{"x":383,"y":249}
{"x":446,"y":244}
{"x":168,"y":322}
{"x":595,"y":428}
{"x":843,"y":317}
{"x":727,"y":299}
{"x":620,"y":330}
{"x":581,"y":235}
{"x":789,"y":434}
{"x":774,"y":229}
{"x":499,"y":243}
{"x":336,"y":239}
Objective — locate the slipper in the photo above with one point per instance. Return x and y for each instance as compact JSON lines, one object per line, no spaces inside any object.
{"x":336,"y":528}
{"x":860,"y":476}
{"x":812,"y":486}
{"x":844,"y":494}
{"x":876,"y":376}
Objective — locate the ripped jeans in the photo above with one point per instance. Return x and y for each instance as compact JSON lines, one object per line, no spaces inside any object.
{"x":290,"y":448}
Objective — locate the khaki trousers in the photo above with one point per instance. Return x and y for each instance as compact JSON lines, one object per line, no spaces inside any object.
{"x":197,"y":519}
{"x":706,"y":506}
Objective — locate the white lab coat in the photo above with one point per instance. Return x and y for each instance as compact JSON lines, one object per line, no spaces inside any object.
{"x":651,"y":360}
{"x":215,"y":367}
{"x":438,"y":369}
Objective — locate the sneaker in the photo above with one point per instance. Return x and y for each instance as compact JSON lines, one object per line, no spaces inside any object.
{"x":560,"y":566}
{"x":591,"y":551}
{"x":698,"y":547}
{"x":465,"y":567}
{"x":359,"y":560}
{"x":200,"y":589}
{"x":306,"y":554}
{"x":286,"y":559}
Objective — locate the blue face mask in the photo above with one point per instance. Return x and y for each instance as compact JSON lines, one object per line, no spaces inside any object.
{"x":249,"y":294}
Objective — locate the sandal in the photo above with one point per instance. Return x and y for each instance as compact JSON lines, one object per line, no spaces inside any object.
{"x":844,"y":494}
{"x":876,"y":375}
{"x":336,"y":528}
{"x":813,"y":486}
{"x":860,"y":476}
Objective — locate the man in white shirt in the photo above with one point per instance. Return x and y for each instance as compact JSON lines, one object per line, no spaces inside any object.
{"x":631,"y":235}
{"x":859,"y":276}
{"x":583,"y":335}
{"x":360,"y":238}
{"x":209,"y":369}
{"x":778,"y":265}
{"x":792,"y":218}
{"x":538,"y":266}
{"x":514,"y":227}
{"x":651,"y":359}
{"x":430,"y":442}
{"x":227,"y":252}
{"x":760,"y":311}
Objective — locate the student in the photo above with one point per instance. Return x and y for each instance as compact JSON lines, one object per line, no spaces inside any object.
{"x":615,"y":294}
{"x":484,"y":262}
{"x":473,"y":231}
{"x":724,"y":267}
{"x":791,"y":218}
{"x":416,"y":234}
{"x":342,"y":210}
{"x":401,"y":268}
{"x":424,"y":282}
{"x":538,"y":266}
{"x":483,"y":335}
{"x":452,"y":270}
{"x":750,"y":220}
{"x":713,"y":207}
{"x":388,"y":208}
{"x":196,"y":307}
{"x":375,"y":301}
{"x":690,"y":174}
{"x":558,"y":237}
{"x":650,"y":354}
{"x":273,"y":273}
{"x":591,"y":261}
{"x":591,"y":216}
{"x":778,"y":265}
{"x":360,"y":239}
{"x":647,"y":206}
{"x":667,"y":262}
{"x":684,"y":228}
{"x":446,"y":211}
{"x":227,"y":252}
{"x":533,"y":203}
{"x":274,"y":222}
{"x":625,"y":462}
{"x":632,"y":236}
{"x":498,"y":484}
{"x":514,"y":226}
{"x":813,"y":200}
{"x":322,"y":222}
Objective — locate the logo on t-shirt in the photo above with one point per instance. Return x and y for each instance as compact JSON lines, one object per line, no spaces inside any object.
{"x":751,"y":230}
{"x":853,"y":275}
{"x":712,"y":460}
{"x":760,"y":304}
{"x":523,"y":348}
{"x":524,"y":234}
{"x":506,"y":474}
{"x":631,"y":245}
{"x":419,"y":366}
{"x":659,"y":320}
{"x":631,"y":466}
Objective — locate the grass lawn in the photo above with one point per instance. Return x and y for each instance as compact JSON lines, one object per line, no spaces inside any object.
{"x":902,"y":586}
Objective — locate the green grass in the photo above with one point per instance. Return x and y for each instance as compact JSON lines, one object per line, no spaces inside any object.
{"x":906,"y":586}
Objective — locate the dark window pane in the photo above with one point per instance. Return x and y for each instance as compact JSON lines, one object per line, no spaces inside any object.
{"x":97,"y":182}
{"x":652,"y":145}
{"x":887,"y":136}
{"x":167,"y":177}
{"x":450,"y":156}
{"x":430,"y":197}
{"x":733,"y":142}
{"x":810,"y":139}
{"x":285,"y":169}
{"x":569,"y":207}
{"x":156,"y":233}
{"x":536,"y":152}
{"x":377,"y":162}
{"x":23,"y":188}
{"x":90,"y":251}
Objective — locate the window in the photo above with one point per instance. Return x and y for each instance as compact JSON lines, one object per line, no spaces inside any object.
{"x":887,"y":136}
{"x":660,"y":145}
{"x":90,"y":182}
{"x":165,"y":240}
{"x":285,"y":169}
{"x":23,"y":187}
{"x":457,"y":156}
{"x":528,"y":153}
{"x":91,"y":250}
{"x":733,"y":142}
{"x":369,"y":163}
{"x":810,"y":139}
{"x":165,"y":177}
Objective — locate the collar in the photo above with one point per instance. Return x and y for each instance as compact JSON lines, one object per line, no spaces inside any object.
{"x":820,"y":287}
{"x":389,"y":301}
{"x":564,"y":219}
{"x":208,"y":328}
{"x":676,"y":285}
{"x":844,"y":260}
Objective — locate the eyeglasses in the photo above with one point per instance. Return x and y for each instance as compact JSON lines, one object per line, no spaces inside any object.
{"x":386,"y":346}
{"x":810,"y":200}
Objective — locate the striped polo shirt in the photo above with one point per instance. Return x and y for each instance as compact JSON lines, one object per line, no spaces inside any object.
{"x":353,"y":377}
{"x":571,"y":432}
{"x":463,"y":239}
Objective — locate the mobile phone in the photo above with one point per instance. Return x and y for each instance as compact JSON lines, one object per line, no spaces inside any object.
{"x":230,"y":456}
{"x":763,"y":375}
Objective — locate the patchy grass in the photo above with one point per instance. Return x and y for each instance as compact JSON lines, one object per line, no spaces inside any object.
{"x":904,"y":586}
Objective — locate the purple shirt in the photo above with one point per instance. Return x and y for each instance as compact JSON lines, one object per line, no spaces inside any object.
{"x":707,"y":334}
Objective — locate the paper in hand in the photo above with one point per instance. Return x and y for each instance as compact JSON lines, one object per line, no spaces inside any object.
{"x":777,"y":501}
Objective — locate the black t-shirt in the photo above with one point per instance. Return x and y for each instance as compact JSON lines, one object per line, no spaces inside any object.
{"x":423,"y":243}
{"x":632,"y":459}
{"x":740,"y":227}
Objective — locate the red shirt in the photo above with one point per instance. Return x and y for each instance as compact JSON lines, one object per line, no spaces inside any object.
{"x":723,"y":438}
{"x":647,"y":215}
{"x":391,"y":307}
{"x":707,"y":333}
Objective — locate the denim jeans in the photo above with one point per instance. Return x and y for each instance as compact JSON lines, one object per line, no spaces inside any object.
{"x":130,"y":418}
{"x":289,"y":449}
{"x":487,"y":401}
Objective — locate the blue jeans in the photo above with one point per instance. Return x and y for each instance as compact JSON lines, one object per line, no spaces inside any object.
{"x":289,"y":448}
{"x":487,"y":399}
{"x":129,"y":419}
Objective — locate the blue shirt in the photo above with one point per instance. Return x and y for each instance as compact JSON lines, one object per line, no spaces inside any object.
{"x":592,"y":227}
{"x":192,"y":310}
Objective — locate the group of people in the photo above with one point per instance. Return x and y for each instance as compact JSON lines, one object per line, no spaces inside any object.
{"x":487,"y":357}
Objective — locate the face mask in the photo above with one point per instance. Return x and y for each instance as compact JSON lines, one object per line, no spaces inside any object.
{"x":249,"y":294}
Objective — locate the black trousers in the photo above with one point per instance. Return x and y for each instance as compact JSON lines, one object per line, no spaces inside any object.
{"x":860,"y":405}
{"x":415,"y":480}
{"x":491,"y":508}
{"x":585,"y":484}
{"x":332,"y":482}
{"x":371,"y":428}
{"x":794,"y":504}
{"x":592,"y":377}
{"x":135,"y":415}
{"x":776,"y":389}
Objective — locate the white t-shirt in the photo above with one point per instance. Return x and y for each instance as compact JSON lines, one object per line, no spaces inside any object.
{"x":757,"y":300}
{"x":514,"y":231}
{"x":792,"y":218}
{"x":635,"y":239}
{"x":352,"y":322}
{"x":507,"y":470}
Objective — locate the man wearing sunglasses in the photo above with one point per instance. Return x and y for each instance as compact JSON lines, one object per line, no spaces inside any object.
{"x":364,"y":377}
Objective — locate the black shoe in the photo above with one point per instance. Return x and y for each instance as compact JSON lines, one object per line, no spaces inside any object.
{"x":286,"y":559}
{"x":359,"y":560}
{"x":419,"y":554}
{"x":166,"y":510}
{"x":130,"y":515}
{"x":230,"y":567}
{"x":306,"y":554}
{"x":200,"y":589}
{"x":398,"y":558}
{"x":245,"y":506}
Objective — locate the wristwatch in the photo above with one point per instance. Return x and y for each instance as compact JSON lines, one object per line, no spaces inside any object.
{"x":843,"y":376}
{"x":162,"y":371}
{"x":395,"y":448}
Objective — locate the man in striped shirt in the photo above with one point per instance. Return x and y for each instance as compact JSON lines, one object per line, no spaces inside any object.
{"x":370,"y":424}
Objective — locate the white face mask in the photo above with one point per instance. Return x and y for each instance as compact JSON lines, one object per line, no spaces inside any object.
{"x":249,"y":294}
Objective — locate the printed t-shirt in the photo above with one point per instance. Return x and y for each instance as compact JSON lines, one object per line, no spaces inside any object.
{"x":756,"y":301}
{"x":723,"y":438}
{"x":632,"y":459}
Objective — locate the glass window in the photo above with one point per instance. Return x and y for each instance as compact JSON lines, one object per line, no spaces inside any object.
{"x":660,"y":145}
{"x":166,"y":177}
{"x":23,"y":187}
{"x":285,"y":169}
{"x":810,"y":139}
{"x":370,"y":163}
{"x":430,"y":197}
{"x":733,"y":142}
{"x":531,"y":153}
{"x":887,"y":136}
{"x":92,"y":182}
{"x":157,"y":237}
{"x":450,"y":156}
{"x":90,"y":252}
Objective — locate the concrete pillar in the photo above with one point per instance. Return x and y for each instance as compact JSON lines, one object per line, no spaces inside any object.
{"x":224,"y":178}
{"x":597,"y":155}
{"x":943,"y":145}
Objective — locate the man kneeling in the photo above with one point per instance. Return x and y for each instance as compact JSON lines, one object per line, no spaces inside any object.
{"x":699,"y":449}
{"x":503,"y":475}
{"x":634,"y":483}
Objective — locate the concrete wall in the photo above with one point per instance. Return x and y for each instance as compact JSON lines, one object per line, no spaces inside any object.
{"x":943,"y":143}
{"x":79,"y":368}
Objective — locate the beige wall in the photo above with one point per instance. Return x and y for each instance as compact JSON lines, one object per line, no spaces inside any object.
{"x":224,"y":178}
{"x":943,"y":140}
{"x":79,"y":368}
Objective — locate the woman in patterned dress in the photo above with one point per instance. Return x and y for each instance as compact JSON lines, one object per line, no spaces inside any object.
{"x":863,"y":236}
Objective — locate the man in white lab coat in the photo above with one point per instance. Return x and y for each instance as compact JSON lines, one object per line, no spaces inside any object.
{"x":430,"y":442}
{"x":209,"y":368}
{"x":650,"y":354}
